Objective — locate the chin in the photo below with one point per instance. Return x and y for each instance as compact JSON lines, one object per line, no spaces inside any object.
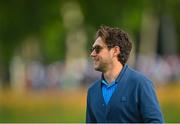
{"x":98,"y":69}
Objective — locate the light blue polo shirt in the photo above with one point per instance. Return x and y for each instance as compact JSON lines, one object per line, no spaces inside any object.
{"x":108,"y":89}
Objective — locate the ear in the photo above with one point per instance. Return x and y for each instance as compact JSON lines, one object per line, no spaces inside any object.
{"x":116,"y":50}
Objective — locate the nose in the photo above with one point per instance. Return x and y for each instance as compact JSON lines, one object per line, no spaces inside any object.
{"x":93,"y":53}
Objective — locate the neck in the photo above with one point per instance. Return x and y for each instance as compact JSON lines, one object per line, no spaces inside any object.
{"x":111,"y":74}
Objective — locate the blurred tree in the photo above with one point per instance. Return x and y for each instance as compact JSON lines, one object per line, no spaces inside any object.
{"x":19,"y":19}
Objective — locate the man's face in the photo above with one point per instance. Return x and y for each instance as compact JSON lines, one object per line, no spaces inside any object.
{"x":101,"y":55}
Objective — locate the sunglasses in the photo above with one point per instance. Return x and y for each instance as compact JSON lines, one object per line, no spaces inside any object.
{"x":97,"y":49}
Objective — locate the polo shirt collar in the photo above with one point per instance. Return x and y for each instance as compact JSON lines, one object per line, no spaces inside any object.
{"x":103,"y":81}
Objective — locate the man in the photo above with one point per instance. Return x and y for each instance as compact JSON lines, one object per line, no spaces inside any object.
{"x":122,"y":95}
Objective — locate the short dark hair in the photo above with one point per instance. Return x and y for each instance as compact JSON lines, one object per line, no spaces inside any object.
{"x":116,"y":37}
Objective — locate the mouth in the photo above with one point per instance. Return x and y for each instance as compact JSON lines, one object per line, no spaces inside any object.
{"x":95,"y":60}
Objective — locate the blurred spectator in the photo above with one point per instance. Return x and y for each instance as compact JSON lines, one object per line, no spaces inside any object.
{"x":36,"y":75}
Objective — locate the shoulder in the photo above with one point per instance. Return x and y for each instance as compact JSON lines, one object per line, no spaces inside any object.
{"x":93,"y":88}
{"x":141,"y":83}
{"x":138,"y":77}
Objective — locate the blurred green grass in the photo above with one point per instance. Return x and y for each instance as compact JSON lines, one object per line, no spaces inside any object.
{"x":69,"y":106}
{"x":169,"y":98}
{"x":49,"y":106}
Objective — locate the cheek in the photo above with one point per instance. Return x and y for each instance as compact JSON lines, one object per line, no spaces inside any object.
{"x":106,"y":57}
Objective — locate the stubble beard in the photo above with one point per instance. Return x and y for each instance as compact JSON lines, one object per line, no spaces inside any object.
{"x":101,"y":67}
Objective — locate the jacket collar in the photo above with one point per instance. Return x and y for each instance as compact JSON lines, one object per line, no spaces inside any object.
{"x":120,"y":74}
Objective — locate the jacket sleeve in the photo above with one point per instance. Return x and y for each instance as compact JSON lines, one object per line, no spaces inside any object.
{"x":149,"y":106}
{"x":89,"y":114}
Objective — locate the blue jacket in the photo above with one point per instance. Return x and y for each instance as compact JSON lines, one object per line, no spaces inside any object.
{"x":134,"y":100}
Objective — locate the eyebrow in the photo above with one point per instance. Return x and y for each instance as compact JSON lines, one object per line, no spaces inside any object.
{"x":97,"y":46}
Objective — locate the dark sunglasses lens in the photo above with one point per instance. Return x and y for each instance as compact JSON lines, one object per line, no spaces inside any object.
{"x":97,"y":49}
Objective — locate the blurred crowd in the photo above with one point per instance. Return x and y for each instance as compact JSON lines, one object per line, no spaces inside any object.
{"x":36,"y":75}
{"x":160,"y":69}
